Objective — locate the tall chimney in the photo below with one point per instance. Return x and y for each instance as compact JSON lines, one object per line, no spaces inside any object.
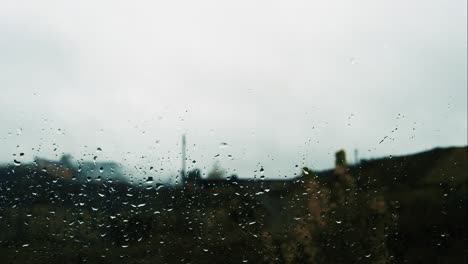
{"x":182,"y":171}
{"x":356,"y":159}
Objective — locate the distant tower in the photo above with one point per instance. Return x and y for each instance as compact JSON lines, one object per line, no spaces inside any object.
{"x":340,"y":162}
{"x":340,"y":158}
{"x":182,"y":171}
{"x":356,"y":159}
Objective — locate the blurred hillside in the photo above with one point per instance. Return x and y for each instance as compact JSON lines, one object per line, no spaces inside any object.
{"x":407,"y":209}
{"x":428,"y":192}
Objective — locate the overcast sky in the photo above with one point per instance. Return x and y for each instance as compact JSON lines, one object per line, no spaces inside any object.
{"x":283,"y":83}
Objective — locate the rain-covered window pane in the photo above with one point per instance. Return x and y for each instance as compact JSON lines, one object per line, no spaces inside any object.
{"x":233,"y":131}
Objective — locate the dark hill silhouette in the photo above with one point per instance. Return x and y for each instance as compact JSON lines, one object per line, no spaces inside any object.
{"x":429,"y":193}
{"x":405,"y":209}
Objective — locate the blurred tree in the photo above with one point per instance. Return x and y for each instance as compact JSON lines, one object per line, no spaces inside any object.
{"x":67,"y":161}
{"x":216,"y":173}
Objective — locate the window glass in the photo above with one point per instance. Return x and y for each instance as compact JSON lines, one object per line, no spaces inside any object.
{"x":233,"y":131}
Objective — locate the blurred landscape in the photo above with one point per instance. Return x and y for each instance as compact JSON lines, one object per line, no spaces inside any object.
{"x":318,"y":131}
{"x":404,"y":209}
